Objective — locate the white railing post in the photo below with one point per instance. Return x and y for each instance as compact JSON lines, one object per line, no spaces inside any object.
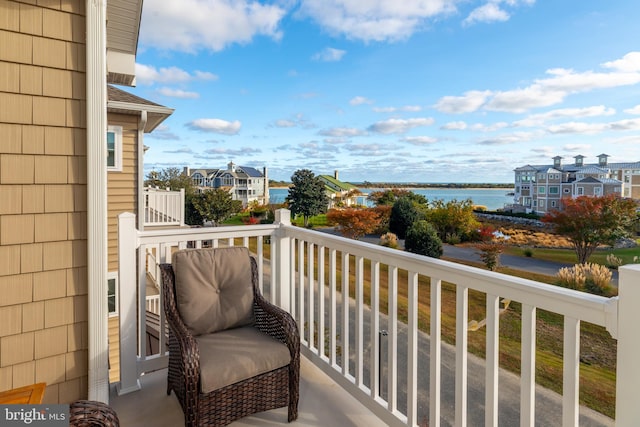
{"x":127,"y":235}
{"x":183,"y":207}
{"x":281,"y":261}
{"x":628,"y":368}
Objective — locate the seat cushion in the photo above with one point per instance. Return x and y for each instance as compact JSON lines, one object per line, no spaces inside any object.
{"x":214,"y":291}
{"x":234,"y":355}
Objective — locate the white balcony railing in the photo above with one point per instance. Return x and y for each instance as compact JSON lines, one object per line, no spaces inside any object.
{"x":163,"y":207}
{"x":310,"y":274}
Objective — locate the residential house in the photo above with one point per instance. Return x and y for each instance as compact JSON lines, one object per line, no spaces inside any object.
{"x":340,"y":194}
{"x":540,"y":188}
{"x":245,"y":183}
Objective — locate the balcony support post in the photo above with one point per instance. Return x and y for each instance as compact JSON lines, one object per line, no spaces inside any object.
{"x":281,"y":261}
{"x":128,"y":282}
{"x":628,"y":368}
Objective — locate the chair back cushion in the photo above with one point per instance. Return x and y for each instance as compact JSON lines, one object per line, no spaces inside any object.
{"x":213,"y":287}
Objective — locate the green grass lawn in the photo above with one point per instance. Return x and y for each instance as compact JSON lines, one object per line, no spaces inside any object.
{"x":569,"y":255}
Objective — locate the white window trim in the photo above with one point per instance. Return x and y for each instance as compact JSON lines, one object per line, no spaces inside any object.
{"x":117,"y":131}
{"x":113,"y":275}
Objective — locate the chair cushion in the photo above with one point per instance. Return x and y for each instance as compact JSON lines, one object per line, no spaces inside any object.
{"x":230,"y":356}
{"x":214,"y":290}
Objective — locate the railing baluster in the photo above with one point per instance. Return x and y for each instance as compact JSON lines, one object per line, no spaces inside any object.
{"x":345,"y":313}
{"x":412,"y":350}
{"x":392,"y":342}
{"x":435,"y":352}
{"x":359,"y":318}
{"x":492,"y":359}
{"x":528,"y":368}
{"x":462,"y":319}
{"x":301,"y":289}
{"x":311,"y":306}
{"x":375,"y":363}
{"x":571,"y":372}
{"x":260,"y":261}
{"x":332,"y":307}
{"x":321,"y":326}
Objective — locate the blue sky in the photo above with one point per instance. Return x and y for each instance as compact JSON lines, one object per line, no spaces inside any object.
{"x":389,"y":90}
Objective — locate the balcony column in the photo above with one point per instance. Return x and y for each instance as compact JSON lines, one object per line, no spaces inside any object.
{"x":281,"y":261}
{"x":628,"y":368}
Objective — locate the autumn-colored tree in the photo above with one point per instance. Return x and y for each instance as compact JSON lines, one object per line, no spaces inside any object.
{"x":589,"y":222}
{"x":384,"y":213}
{"x":353,"y":222}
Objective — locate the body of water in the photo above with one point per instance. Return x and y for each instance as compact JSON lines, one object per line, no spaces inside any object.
{"x":492,"y":198}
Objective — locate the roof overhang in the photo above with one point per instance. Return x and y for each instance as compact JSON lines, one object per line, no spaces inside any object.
{"x":156,"y":114}
{"x":123,"y":28}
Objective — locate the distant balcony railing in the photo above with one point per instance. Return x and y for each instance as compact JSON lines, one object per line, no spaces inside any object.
{"x":163,"y":207}
{"x":363,"y":344}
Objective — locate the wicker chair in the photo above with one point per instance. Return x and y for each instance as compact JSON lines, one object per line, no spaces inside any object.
{"x":89,"y":413}
{"x":187,"y":371}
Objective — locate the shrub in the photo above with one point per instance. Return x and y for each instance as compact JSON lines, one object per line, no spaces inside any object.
{"x":403,"y":214}
{"x":389,"y":240}
{"x":452,"y":238}
{"x":423,"y":239}
{"x":592,"y":278}
{"x":528,"y":252}
{"x":490,"y":254}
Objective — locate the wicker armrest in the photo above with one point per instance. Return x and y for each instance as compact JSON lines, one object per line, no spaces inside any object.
{"x":89,"y":413}
{"x":274,"y":321}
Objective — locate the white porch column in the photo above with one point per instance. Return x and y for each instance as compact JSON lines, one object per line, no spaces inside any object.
{"x":127,"y":235}
{"x":628,"y":368}
{"x":280,"y":261}
{"x":96,"y":48}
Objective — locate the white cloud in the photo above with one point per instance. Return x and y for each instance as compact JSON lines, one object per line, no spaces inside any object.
{"x":629,"y":124}
{"x":191,"y":25}
{"x":481,"y":127}
{"x":374,"y":20}
{"x":215,"y":126}
{"x":578,"y":127}
{"x":399,"y":125}
{"x":148,"y":74}
{"x":541,"y":118}
{"x":489,"y":12}
{"x":469,"y":102}
{"x":407,"y":108}
{"x":454,"y":126}
{"x":283,"y":123}
{"x":634,"y":110}
{"x":244,"y":151}
{"x":511,"y":138}
{"x":522,"y":100}
{"x":178,"y":93}
{"x":419,"y":140}
{"x":577,"y":148}
{"x":360,"y":100}
{"x":628,"y":64}
{"x":342,"y":132}
{"x":329,"y":54}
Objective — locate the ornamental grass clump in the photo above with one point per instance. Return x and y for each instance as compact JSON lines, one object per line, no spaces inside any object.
{"x":389,"y":240}
{"x":592,"y":278}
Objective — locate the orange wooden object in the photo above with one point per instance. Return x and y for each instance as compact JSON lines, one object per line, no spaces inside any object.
{"x":31,"y":394}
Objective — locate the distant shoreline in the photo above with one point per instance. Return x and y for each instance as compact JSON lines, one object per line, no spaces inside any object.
{"x":410,"y":185}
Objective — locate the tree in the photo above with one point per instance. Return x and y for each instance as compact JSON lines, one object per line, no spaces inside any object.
{"x":354,"y":223}
{"x":452,"y":219}
{"x":403,"y":214}
{"x":422,"y":239}
{"x":390,"y":196}
{"x":589,"y":222}
{"x":216,"y":205}
{"x":172,"y":178}
{"x":307,"y":195}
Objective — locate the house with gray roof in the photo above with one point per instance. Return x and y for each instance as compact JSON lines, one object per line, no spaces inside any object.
{"x":540,"y":188}
{"x":245,"y":183}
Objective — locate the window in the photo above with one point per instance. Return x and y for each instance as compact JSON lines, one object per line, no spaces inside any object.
{"x":553,"y":190}
{"x":114,"y":148}
{"x":541,"y":190}
{"x":541,"y":203}
{"x":566,"y":191}
{"x":112,"y":293}
{"x":553,"y":203}
{"x":580,"y":191}
{"x":597,"y":191}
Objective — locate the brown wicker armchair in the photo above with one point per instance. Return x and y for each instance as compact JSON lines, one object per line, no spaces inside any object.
{"x":217,"y":372}
{"x":90,"y":413}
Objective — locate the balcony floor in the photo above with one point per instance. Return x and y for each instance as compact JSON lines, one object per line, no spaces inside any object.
{"x":322,"y":403}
